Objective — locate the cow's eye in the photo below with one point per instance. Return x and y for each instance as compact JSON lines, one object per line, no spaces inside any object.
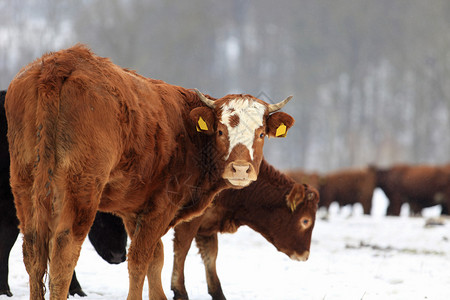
{"x":262,"y":135}
{"x":220,"y":132}
{"x":305,"y":222}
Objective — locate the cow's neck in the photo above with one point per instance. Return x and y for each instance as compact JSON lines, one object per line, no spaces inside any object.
{"x":201,"y":172}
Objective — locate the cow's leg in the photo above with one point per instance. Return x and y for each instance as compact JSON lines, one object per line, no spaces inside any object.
{"x":156,"y":291}
{"x":415,"y":209}
{"x":367,"y":207}
{"x":446,"y":207}
{"x":145,"y":231}
{"x":208,"y":246}
{"x":35,"y":255}
{"x":395,"y":205}
{"x":34,"y":246}
{"x":75,"y":287}
{"x":76,"y":215}
{"x":184,"y":233}
{"x":446,"y":204}
{"x":65,"y":250}
{"x":8,"y":236}
{"x":140,"y":253}
{"x":367,"y":203}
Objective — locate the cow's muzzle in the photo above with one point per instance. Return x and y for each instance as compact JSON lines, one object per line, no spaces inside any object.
{"x":240,"y":173}
{"x":300,"y":257}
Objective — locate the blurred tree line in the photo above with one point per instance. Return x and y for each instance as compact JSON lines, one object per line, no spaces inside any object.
{"x":369,"y":78}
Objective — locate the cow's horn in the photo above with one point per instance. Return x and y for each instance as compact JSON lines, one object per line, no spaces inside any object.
{"x":279,"y":105}
{"x":208,"y":102}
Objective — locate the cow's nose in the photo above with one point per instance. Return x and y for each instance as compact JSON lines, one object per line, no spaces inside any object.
{"x":239,"y":173}
{"x":117,"y":257}
{"x":240,"y":170}
{"x":300,"y":257}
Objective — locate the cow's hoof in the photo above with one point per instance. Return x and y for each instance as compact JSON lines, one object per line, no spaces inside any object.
{"x":179,"y":296}
{"x":78,"y":292}
{"x":218,"y":296}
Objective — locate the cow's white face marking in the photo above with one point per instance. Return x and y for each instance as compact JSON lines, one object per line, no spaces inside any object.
{"x":249,"y":114}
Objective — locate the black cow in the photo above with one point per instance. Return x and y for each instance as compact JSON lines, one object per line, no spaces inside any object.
{"x":107,"y":234}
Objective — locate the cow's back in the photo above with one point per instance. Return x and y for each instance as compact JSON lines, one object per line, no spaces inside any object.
{"x":96,"y":115}
{"x":47,"y":101}
{"x":423,"y":180}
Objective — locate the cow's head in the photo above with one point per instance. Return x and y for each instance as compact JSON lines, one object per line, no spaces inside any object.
{"x":240,"y":123}
{"x":292,"y":222}
{"x":109,"y":238}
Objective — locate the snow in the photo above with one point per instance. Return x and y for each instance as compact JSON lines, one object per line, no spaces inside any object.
{"x":352,"y":257}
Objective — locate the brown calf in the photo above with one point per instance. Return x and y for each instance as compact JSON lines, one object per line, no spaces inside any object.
{"x":86,"y":135}
{"x":275,"y":206}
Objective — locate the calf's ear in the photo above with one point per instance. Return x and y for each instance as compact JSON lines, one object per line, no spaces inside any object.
{"x":278,"y":124}
{"x":300,"y":193}
{"x":296,"y":196}
{"x":203,"y":118}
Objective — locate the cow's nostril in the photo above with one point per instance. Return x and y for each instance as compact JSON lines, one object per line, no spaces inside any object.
{"x":240,"y":170}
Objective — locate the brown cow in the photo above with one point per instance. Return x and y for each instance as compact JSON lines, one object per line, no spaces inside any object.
{"x":420,"y":186}
{"x":348,"y":186}
{"x":275,"y":206}
{"x":85,"y":134}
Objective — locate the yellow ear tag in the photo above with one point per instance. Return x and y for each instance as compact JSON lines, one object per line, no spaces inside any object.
{"x":293,"y":206}
{"x":202,"y":124}
{"x":281,"y":130}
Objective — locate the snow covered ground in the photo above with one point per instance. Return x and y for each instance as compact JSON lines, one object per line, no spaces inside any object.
{"x":352,"y":257}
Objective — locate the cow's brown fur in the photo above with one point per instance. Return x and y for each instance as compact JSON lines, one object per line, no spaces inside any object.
{"x":275,"y":206}
{"x":420,"y":186}
{"x":302,"y":176}
{"x":348,"y":186}
{"x":85,"y":134}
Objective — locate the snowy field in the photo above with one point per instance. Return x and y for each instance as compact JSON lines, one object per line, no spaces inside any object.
{"x":352,"y":257}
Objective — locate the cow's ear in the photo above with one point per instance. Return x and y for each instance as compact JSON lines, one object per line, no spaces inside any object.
{"x":296,"y":196}
{"x":203,"y":118}
{"x":300,"y":193}
{"x":278,"y":124}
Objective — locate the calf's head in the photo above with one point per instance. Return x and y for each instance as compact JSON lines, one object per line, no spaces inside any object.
{"x":291,"y":223}
{"x":240,"y":123}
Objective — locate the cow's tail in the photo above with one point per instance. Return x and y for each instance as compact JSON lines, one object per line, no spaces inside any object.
{"x":44,"y":198}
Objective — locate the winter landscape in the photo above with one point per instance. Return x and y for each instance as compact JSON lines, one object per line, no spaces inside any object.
{"x":352,"y":257}
{"x":370,"y":86}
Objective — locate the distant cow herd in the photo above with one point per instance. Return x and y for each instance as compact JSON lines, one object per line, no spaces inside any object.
{"x":88,"y":148}
{"x":420,"y":186}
